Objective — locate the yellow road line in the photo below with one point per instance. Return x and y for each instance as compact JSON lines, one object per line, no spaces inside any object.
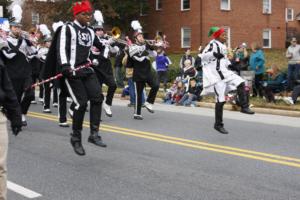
{"x":195,"y":146}
{"x":190,"y":141}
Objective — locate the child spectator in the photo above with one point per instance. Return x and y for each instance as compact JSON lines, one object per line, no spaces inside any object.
{"x":162,"y":63}
{"x":192,"y":95}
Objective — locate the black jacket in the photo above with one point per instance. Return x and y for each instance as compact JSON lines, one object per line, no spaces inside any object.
{"x":8,"y":98}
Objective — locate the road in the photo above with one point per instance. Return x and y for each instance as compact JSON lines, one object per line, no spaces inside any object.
{"x":173,"y":154}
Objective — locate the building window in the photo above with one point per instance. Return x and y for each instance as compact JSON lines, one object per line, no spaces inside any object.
{"x":158,"y":4}
{"x":185,"y":5}
{"x":35,"y":18}
{"x":225,"y":4}
{"x":186,"y":37}
{"x":143,"y":8}
{"x":267,"y":41}
{"x":267,"y":6}
{"x":228,"y":35}
{"x":289,"y":14}
{"x":1,"y":11}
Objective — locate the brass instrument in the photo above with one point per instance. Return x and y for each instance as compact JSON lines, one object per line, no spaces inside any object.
{"x":115,"y":34}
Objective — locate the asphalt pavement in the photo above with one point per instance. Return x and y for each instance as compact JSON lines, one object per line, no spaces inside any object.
{"x":173,"y":154}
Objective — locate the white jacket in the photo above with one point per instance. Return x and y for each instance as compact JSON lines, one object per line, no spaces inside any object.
{"x":210,"y":64}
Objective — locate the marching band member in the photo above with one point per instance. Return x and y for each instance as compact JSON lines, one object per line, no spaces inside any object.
{"x":45,"y":43}
{"x":103,"y":48}
{"x":218,"y":79}
{"x":16,"y":57}
{"x":139,"y":57}
{"x":72,"y":43}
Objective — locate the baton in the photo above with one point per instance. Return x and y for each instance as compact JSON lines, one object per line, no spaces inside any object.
{"x":58,"y":76}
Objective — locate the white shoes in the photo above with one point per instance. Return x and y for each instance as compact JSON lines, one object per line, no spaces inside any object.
{"x":55,"y":105}
{"x":47,"y":110}
{"x":288,"y":100}
{"x":41,"y":100}
{"x":107,"y":110}
{"x":149,"y":107}
{"x":33,"y":102}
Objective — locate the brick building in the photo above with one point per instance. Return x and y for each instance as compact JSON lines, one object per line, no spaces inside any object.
{"x":293,"y":18}
{"x":186,"y":22}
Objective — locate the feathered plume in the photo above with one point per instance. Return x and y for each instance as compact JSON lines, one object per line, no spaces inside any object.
{"x":5,"y":26}
{"x":98,"y":17}
{"x":44,"y":29}
{"x":136,"y":25}
{"x":13,"y":3}
{"x":17,"y":13}
{"x":56,"y":25}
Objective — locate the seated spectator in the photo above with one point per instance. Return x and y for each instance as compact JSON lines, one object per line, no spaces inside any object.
{"x":189,"y":70}
{"x":274,"y":84}
{"x":192,"y":95}
{"x":293,"y":98}
{"x":168,"y":99}
{"x":179,"y":93}
{"x":186,"y":56}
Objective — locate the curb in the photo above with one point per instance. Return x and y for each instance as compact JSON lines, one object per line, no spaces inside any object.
{"x":230,"y":107}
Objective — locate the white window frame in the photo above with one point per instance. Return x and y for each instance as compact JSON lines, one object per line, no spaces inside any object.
{"x":270,"y":38}
{"x":228,"y":34}
{"x":182,"y":37}
{"x":156,"y":5}
{"x":35,"y":15}
{"x":287,"y":14}
{"x":229,"y":5}
{"x":184,"y":9}
{"x":1,"y":11}
{"x":267,"y":10}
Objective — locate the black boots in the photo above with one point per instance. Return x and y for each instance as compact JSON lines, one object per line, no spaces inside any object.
{"x":96,"y":139}
{"x":243,"y":99}
{"x":219,"y":126}
{"x":76,"y":143}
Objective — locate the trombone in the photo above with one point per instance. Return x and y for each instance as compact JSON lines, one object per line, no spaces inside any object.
{"x":115,"y":34}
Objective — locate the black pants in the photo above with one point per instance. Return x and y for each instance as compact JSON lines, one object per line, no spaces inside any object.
{"x":24,"y":97}
{"x":139,"y":88}
{"x":296,"y":93}
{"x":47,"y":95}
{"x":162,"y":76}
{"x":81,"y":91}
{"x":35,"y":78}
{"x":257,"y":89}
{"x":62,"y":105}
{"x":105,"y":75}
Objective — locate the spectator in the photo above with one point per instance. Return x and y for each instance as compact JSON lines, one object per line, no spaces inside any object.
{"x":189,"y":69}
{"x":170,"y":93}
{"x":162,"y":63}
{"x":192,"y":95}
{"x":198,"y":62}
{"x":240,"y":58}
{"x":293,"y":55}
{"x":179,"y":93}
{"x":257,"y":64}
{"x":274,"y":84}
{"x":296,"y":91}
{"x":186,"y":56}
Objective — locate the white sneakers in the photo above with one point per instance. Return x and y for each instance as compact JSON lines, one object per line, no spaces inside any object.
{"x":55,"y":105}
{"x":107,"y":110}
{"x":149,"y":107}
{"x":288,"y":100}
{"x":47,"y":110}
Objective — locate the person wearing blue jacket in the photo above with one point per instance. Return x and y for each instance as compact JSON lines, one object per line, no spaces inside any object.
{"x":274,"y":84}
{"x":257,"y":64}
{"x":162,"y":63}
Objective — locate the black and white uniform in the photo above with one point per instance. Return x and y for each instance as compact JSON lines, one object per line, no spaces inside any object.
{"x":16,"y":57}
{"x":218,"y":79}
{"x":36,"y":70}
{"x":42,"y":54}
{"x":73,"y":44}
{"x":142,"y":73}
{"x":104,"y":69}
